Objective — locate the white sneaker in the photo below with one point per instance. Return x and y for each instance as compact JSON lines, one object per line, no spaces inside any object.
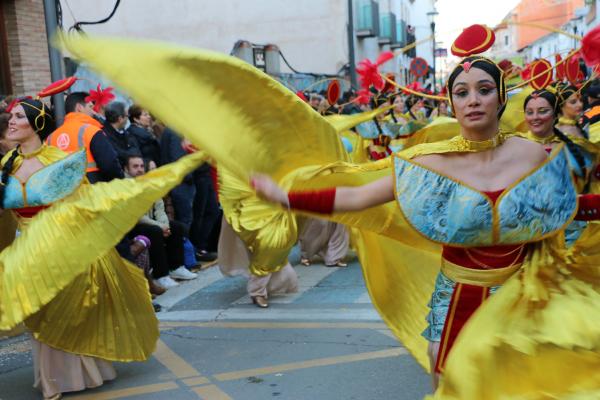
{"x":183,"y":273}
{"x":166,"y":282}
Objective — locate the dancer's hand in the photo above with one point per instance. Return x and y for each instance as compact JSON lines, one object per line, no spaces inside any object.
{"x":267,"y":189}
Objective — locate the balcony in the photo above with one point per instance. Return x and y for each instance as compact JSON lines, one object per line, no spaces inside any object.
{"x":367,"y":18}
{"x":400,"y":35}
{"x":387,"y":29}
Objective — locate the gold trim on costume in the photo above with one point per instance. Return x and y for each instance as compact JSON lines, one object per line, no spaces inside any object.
{"x":478,"y":277}
{"x":444,"y":345}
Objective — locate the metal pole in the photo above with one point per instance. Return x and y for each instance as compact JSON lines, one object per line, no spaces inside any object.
{"x":55,"y":57}
{"x":433,"y":47}
{"x":351,"y":59}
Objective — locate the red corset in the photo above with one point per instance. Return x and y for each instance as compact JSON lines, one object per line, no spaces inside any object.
{"x":485,"y":257}
{"x":29,"y":212}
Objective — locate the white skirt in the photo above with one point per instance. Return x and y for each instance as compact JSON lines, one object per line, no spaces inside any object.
{"x":56,"y":371}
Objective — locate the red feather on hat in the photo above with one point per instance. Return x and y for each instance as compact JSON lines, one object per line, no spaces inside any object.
{"x":16,"y":101}
{"x":100,"y":97}
{"x":590,"y":47}
{"x":526,"y":72}
{"x":369,"y":71}
{"x":363,"y":96}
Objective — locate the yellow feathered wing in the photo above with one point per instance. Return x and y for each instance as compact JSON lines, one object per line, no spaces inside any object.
{"x":64,"y":279}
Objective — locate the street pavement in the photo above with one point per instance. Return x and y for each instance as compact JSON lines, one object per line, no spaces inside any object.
{"x":324,"y":342}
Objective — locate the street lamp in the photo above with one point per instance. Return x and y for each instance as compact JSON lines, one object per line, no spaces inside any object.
{"x":431,"y":15}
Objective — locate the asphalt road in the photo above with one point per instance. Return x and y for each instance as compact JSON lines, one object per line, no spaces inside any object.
{"x":325,"y":342}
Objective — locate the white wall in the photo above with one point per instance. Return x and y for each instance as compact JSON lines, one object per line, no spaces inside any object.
{"x":310,"y":33}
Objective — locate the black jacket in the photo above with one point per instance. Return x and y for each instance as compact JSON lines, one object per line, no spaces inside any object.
{"x":148,"y":144}
{"x":106,"y":160}
{"x":124,"y":143}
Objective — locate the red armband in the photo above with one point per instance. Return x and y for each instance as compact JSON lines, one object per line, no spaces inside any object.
{"x":318,"y":201}
{"x":588,"y":207}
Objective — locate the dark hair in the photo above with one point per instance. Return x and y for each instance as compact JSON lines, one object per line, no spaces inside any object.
{"x":40,"y":117}
{"x":113,"y":111}
{"x":563,"y":93}
{"x":411,"y":101}
{"x":135,"y":112}
{"x":132,"y":156}
{"x":6,"y":170}
{"x":545,"y":94}
{"x":73,"y":99}
{"x":486,"y":65}
{"x":555,"y":104}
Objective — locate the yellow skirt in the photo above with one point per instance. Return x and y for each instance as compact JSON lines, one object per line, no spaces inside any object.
{"x":106,"y":312}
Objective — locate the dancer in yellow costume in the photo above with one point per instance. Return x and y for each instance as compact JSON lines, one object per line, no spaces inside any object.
{"x":516,"y":344}
{"x":84,"y":305}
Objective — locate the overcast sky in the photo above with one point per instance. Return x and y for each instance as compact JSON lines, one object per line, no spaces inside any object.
{"x":454,"y":15}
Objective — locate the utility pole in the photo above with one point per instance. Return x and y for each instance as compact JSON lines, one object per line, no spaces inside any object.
{"x":351,"y":59}
{"x":432,"y":15}
{"x":55,"y":57}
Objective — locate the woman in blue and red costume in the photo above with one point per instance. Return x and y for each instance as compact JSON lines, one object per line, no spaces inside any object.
{"x":84,"y":305}
{"x":485,"y":197}
{"x":542,"y":111}
{"x":491,"y":206}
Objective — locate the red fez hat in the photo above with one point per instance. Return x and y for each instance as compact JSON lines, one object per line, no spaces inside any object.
{"x":57,"y":87}
{"x":473,"y":40}
{"x":572,"y":70}
{"x":543,"y":68}
{"x":333,"y":92}
{"x":560,"y":68}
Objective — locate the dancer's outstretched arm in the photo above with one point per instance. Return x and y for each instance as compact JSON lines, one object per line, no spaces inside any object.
{"x":326,"y":201}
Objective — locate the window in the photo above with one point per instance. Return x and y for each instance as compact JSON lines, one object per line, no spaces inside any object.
{"x":506,"y":40}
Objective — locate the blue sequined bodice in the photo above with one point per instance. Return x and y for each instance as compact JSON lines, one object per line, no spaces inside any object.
{"x":51,"y":183}
{"x":448,"y":212}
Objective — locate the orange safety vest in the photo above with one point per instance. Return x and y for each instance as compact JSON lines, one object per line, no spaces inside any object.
{"x":594,"y":111}
{"x":76,"y":132}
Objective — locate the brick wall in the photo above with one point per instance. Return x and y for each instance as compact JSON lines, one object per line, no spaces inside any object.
{"x":27,"y":45}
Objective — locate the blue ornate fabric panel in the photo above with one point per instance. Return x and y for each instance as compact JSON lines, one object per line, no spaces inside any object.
{"x":368,"y":130}
{"x":448,"y":212}
{"x":440,"y":208}
{"x":539,"y":204}
{"x":48,"y":185}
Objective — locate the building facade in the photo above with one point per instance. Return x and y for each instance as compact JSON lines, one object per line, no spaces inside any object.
{"x":523,"y":44}
{"x":312,"y":35}
{"x":24,"y":65}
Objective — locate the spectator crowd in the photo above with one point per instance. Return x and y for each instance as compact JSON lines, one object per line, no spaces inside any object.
{"x":180,"y":230}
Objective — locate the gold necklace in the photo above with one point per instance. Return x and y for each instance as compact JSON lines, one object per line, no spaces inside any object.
{"x":542,"y":140}
{"x":566,"y":121}
{"x":485,"y":266}
{"x":465,"y":144}
{"x":34,"y":153}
